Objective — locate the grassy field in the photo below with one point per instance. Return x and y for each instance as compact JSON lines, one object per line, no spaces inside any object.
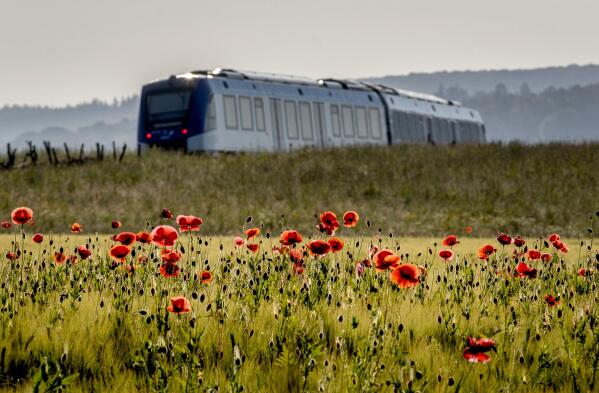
{"x":407,"y":190}
{"x":259,"y":326}
{"x":331,"y":323}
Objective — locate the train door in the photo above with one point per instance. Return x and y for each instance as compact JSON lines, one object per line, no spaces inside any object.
{"x":319,"y":121}
{"x":276,"y":116}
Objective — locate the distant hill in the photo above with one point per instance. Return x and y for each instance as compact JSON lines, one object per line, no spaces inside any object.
{"x":537,"y":79}
{"x":564,"y":114}
{"x":18,"y":120}
{"x":120,"y":132}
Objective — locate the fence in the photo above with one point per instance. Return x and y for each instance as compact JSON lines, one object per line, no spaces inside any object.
{"x":55,"y":157}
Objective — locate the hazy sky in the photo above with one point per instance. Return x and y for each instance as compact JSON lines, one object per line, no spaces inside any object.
{"x":65,"y":51}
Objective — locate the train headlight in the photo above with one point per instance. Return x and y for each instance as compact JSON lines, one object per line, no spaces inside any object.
{"x":184,"y":131}
{"x":149,"y":135}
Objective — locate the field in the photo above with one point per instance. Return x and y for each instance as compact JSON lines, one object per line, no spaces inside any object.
{"x":407,"y":190}
{"x":271,"y":314}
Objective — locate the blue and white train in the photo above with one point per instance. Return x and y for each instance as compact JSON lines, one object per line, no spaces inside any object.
{"x":231,"y":111}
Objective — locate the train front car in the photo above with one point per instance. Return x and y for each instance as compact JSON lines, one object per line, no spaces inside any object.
{"x":172,"y":111}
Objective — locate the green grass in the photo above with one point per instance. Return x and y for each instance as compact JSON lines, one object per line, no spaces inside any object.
{"x":407,"y":190}
{"x":326,"y":330}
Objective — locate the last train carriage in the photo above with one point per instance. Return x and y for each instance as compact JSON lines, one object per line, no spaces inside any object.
{"x":232,"y":111}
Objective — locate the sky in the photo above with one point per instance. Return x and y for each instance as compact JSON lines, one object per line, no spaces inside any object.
{"x":62,"y":52}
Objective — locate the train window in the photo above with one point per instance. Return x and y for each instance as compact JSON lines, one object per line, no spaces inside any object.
{"x":404,"y":130}
{"x":464,"y":132}
{"x":211,"y":115}
{"x":230,"y":112}
{"x":306,"y":121}
{"x":336,"y":123}
{"x":245,"y":108}
{"x":361,"y":122}
{"x":375,"y":123}
{"x":347,"y":114}
{"x":291,"y":116}
{"x":259,"y":109}
{"x":413,"y":130}
{"x":445,"y":131}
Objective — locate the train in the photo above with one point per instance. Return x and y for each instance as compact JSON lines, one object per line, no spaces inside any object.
{"x":226,"y":110}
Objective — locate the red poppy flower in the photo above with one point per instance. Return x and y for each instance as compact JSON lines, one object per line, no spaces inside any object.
{"x":119,"y":253}
{"x":164,"y":236}
{"x":21,"y":215}
{"x":11,"y":256}
{"x":450,"y":240}
{"x":551,"y":300}
{"x":59,"y":258}
{"x":504,"y":239}
{"x":126,"y":238}
{"x":468,"y":229}
{"x":170,"y":256}
{"x":252,"y":232}
{"x":298,"y":268}
{"x":486,"y":251}
{"x":385,"y":260}
{"x":519,"y":241}
{"x":253,"y":247}
{"x":584,"y":272}
{"x":350,"y":219}
{"x":5,"y":224}
{"x":238,"y":241}
{"x":336,"y":244}
{"x":115,"y":224}
{"x":319,"y":247}
{"x":561,"y":246}
{"x":330,"y":231}
{"x":534,"y":255}
{"x":167,"y":213}
{"x":143,"y":237}
{"x":179,"y":305}
{"x":546,"y":257}
{"x":37,"y":238}
{"x":290,"y":237}
{"x":296,"y":255}
{"x":475,"y":349}
{"x":406,"y":275}
{"x":189,"y":223}
{"x":169,"y":270}
{"x":446,"y":255}
{"x":76,"y":227}
{"x":554,"y":237}
{"x":329,"y":219}
{"x":523,"y":270}
{"x":83,"y":252}
{"x":206,"y":277}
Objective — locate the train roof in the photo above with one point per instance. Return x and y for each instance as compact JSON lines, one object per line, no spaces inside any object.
{"x":331,"y":83}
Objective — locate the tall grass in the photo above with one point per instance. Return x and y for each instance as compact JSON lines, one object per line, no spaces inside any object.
{"x":259,"y":327}
{"x":407,"y":190}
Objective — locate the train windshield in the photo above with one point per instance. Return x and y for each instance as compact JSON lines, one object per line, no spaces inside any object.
{"x":171,"y":105}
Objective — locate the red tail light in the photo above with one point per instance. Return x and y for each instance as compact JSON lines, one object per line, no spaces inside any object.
{"x":184,"y":131}
{"x":148,"y":136}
